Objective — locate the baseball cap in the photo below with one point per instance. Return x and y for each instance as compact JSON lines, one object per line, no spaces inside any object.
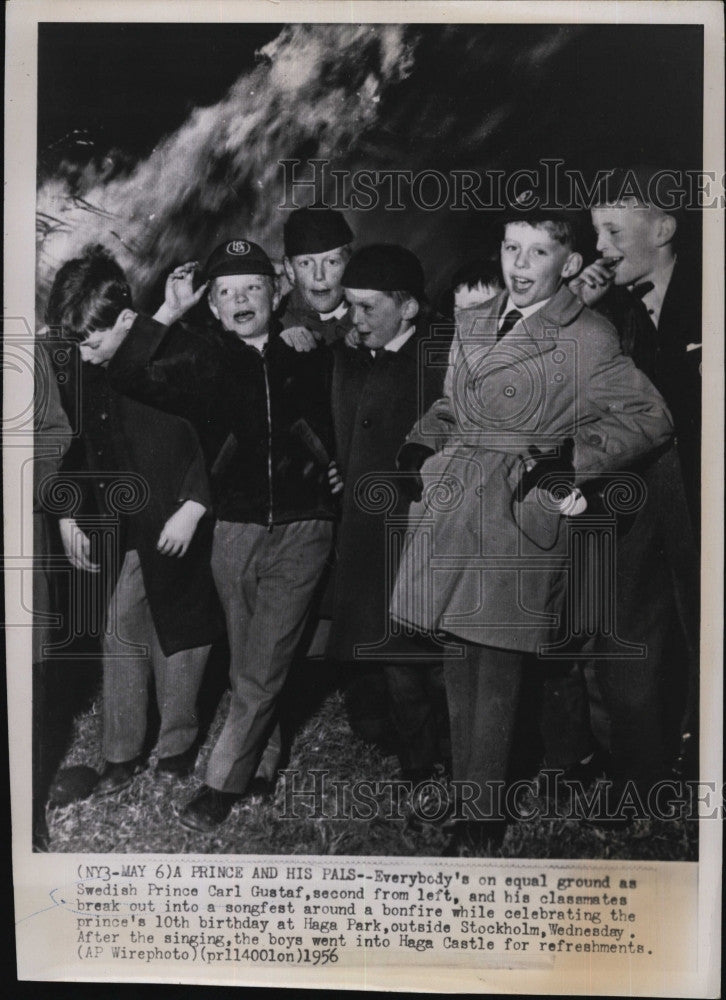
{"x":238,"y":256}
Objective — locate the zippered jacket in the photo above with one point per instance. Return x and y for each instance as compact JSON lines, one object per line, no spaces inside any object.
{"x":263,"y":418}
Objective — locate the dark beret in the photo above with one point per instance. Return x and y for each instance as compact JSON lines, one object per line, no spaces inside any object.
{"x":385,"y":267}
{"x":238,"y":257}
{"x":315,"y":230}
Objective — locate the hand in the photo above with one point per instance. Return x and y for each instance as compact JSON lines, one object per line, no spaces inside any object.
{"x":592,"y":282}
{"x":334,"y":478}
{"x":409,"y":460}
{"x":300,"y":338}
{"x":541,"y":465}
{"x":179,"y":294}
{"x":77,"y":546}
{"x":178,"y":531}
{"x":352,"y":338}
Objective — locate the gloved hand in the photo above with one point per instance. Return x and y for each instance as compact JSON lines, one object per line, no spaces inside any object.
{"x":548,"y":464}
{"x":409,"y":460}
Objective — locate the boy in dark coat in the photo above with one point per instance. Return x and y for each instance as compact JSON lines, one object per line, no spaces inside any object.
{"x":652,"y":295}
{"x":379,"y":390}
{"x":264,"y":412}
{"x":139,"y":477}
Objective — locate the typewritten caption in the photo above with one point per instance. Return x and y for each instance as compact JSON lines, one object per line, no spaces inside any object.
{"x":219,"y":914}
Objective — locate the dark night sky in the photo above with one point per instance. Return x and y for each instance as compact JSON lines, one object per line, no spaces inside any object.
{"x":635,"y":88}
{"x":595,"y":96}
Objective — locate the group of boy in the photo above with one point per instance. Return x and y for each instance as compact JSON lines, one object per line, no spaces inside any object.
{"x":353,"y":386}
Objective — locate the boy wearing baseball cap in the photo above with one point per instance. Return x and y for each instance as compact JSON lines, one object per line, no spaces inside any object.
{"x":263,"y":413}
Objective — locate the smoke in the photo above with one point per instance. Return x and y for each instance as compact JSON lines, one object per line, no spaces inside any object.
{"x":361,"y":96}
{"x":315,"y":92}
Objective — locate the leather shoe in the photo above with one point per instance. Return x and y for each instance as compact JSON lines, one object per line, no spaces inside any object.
{"x":117,"y":776}
{"x":475,"y":839}
{"x":181,"y":764}
{"x":208,"y":809}
{"x":260,"y":788}
{"x":557,"y":785}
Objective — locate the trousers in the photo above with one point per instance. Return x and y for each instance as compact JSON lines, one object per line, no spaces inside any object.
{"x":482,"y":690}
{"x":266,"y":579}
{"x":131,"y":655}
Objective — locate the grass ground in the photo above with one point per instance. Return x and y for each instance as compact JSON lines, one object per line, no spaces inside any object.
{"x":142,"y":819}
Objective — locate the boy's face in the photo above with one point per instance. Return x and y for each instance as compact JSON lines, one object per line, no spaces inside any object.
{"x":465,"y":296}
{"x":534,"y":264}
{"x":100,"y":345}
{"x":243,"y":303}
{"x":378,"y":317}
{"x":628,"y":233}
{"x":318,"y":277}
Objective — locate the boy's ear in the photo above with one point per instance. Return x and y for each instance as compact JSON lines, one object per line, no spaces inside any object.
{"x":210,"y":302}
{"x":276,"y":294}
{"x":665,"y":229}
{"x":572,"y":266}
{"x":126,"y":318}
{"x":410,"y":309}
{"x":288,"y":270}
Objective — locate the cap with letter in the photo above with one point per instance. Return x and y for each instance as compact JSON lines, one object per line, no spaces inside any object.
{"x":315,"y":230}
{"x":238,"y":256}
{"x":385,"y":267}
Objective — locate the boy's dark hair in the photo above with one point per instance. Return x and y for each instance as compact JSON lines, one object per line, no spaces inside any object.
{"x":401,"y":296}
{"x":88,"y":294}
{"x":564,"y":227}
{"x":484,"y":270}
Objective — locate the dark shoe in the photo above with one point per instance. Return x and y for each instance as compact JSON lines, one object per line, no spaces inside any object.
{"x":207,"y":809}
{"x":431,"y":805}
{"x":71,"y":784}
{"x":260,"y":788}
{"x":559,"y":786}
{"x":181,"y":764}
{"x":115,"y":777}
{"x":475,"y":839}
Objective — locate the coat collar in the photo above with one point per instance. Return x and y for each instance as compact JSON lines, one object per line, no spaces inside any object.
{"x":559,"y":310}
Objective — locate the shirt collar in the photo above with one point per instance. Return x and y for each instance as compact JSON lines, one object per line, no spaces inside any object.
{"x":399,"y":340}
{"x":653,"y":300}
{"x":338,"y":313}
{"x":526,"y":311}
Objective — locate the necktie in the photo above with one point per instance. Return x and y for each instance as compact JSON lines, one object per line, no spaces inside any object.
{"x":642,"y":289}
{"x":511,"y":318}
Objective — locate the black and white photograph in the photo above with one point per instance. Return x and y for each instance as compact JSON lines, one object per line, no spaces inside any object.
{"x":371,"y":510}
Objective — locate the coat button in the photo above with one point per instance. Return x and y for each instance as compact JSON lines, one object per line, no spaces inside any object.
{"x":595,"y":439}
{"x":103,"y":416}
{"x":102,"y":486}
{"x":367,"y":423}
